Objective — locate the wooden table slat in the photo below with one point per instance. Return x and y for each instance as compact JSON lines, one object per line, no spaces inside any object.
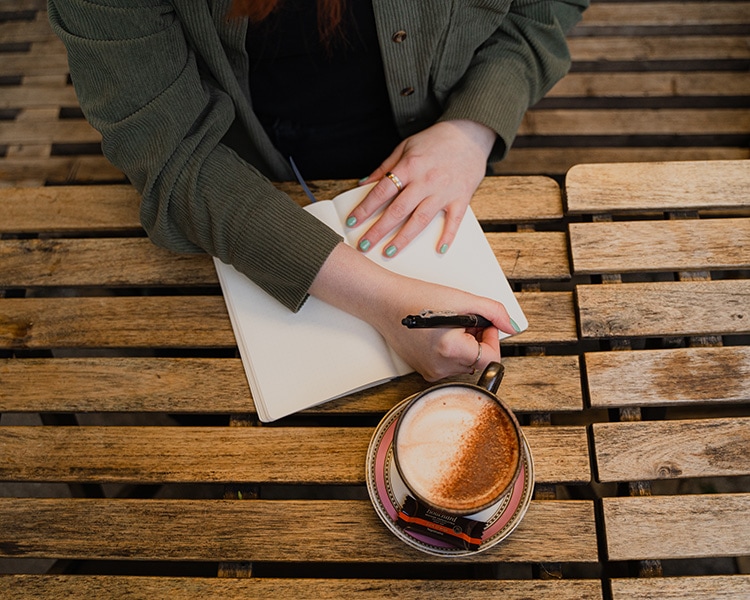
{"x":181,"y":385}
{"x":643,"y":246}
{"x":35,"y":587}
{"x":195,"y":322}
{"x":689,"y":526}
{"x":668,"y":377}
{"x":633,"y":14}
{"x":658,"y":47}
{"x":627,"y":187}
{"x":649,"y":450}
{"x":106,"y":262}
{"x":235,"y":454}
{"x":676,"y":308}
{"x":115,"y":207}
{"x":635,"y":121}
{"x":265,"y":530}
{"x":707,"y":587}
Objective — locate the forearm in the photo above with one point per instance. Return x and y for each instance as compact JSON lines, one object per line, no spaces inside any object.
{"x":162,"y":123}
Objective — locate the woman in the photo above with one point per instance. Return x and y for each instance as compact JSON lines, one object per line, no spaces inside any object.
{"x":201,"y":115}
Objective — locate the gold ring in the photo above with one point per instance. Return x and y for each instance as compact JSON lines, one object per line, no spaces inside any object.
{"x":472,"y":366}
{"x":396,"y":181}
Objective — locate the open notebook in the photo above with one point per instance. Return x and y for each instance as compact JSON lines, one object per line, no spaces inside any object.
{"x":334,"y":353}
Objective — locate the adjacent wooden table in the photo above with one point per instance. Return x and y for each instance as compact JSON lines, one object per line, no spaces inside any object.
{"x":160,"y":481}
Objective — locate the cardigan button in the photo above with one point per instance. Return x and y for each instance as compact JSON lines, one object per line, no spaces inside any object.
{"x":399,"y":36}
{"x":407,"y":91}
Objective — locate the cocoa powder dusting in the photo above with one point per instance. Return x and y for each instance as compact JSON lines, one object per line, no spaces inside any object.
{"x":486,"y":465}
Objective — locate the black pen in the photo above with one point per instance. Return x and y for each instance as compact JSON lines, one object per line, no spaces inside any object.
{"x":430,"y":319}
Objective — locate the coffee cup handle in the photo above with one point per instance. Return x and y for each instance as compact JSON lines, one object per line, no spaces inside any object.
{"x":491,"y":377}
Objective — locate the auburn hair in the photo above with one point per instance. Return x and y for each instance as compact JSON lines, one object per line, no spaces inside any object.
{"x":330,"y":13}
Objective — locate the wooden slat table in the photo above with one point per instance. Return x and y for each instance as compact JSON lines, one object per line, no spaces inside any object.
{"x":667,"y":249}
{"x":127,"y":353}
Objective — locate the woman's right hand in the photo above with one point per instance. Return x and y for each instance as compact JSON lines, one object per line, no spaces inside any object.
{"x":350,"y":281}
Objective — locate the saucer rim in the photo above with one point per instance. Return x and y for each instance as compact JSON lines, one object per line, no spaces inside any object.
{"x":379,"y":503}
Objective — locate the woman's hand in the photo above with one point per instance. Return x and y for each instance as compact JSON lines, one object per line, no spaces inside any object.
{"x":435,"y":170}
{"x":352,"y":282}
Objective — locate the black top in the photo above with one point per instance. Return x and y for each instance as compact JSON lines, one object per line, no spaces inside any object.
{"x":327,"y":107}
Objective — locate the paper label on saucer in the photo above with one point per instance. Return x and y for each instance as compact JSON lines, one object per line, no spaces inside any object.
{"x":458,"y":531}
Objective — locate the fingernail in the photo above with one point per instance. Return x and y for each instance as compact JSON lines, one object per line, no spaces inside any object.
{"x":364,"y":245}
{"x":390,"y":251}
{"x":443,"y":248}
{"x":361,"y":181}
{"x":351,"y":221}
{"x":515,"y":326}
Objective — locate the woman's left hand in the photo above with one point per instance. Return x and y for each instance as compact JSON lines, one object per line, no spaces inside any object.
{"x":437,"y":169}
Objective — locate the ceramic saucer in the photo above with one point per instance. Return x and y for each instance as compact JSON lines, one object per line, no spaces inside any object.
{"x":387,"y":493}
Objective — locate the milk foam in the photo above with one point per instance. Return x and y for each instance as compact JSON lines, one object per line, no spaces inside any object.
{"x":455,"y":447}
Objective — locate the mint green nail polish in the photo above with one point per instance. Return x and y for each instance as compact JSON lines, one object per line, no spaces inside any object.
{"x":364,"y":245}
{"x":515,"y":326}
{"x":443,"y":248}
{"x":390,"y":251}
{"x":361,"y":181}
{"x":351,"y":221}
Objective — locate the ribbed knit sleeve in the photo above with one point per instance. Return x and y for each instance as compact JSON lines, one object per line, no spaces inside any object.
{"x":162,"y":120}
{"x":515,"y":67}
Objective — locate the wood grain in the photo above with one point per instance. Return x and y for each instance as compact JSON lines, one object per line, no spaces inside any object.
{"x":707,"y":587}
{"x":658,"y":47}
{"x":194,"y":322}
{"x":668,"y":377}
{"x":664,"y":309}
{"x":643,"y":246}
{"x":635,"y":121}
{"x":532,"y":160}
{"x":650,"y":85}
{"x":265,"y":530}
{"x":664,"y":527}
{"x":315,"y":455}
{"x":182,"y":385}
{"x":112,"y":262}
{"x":647,"y":450}
{"x":689,"y":185}
{"x":634,"y":14}
{"x":536,"y":256}
{"x":115,"y":207}
{"x":70,"y":209}
{"x":35,"y":587}
{"x":115,"y":322}
{"x":100,"y":262}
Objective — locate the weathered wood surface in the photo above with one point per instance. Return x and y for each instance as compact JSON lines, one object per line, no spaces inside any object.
{"x":635,"y":121}
{"x":637,"y":451}
{"x":314,"y":455}
{"x":648,"y":85}
{"x":708,"y":587}
{"x":196,"y":321}
{"x":659,"y":48}
{"x":624,"y":187}
{"x":677,"y":308}
{"x":182,"y":385}
{"x":643,"y":246}
{"x":265,"y":530}
{"x":115,"y":207}
{"x":668,"y":377}
{"x":115,"y":262}
{"x":654,"y":14}
{"x":689,"y":526}
{"x":533,"y":160}
{"x":30,"y":587}
{"x":68,"y":209}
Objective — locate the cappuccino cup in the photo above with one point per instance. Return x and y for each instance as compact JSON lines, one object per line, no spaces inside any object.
{"x":457,"y":447}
